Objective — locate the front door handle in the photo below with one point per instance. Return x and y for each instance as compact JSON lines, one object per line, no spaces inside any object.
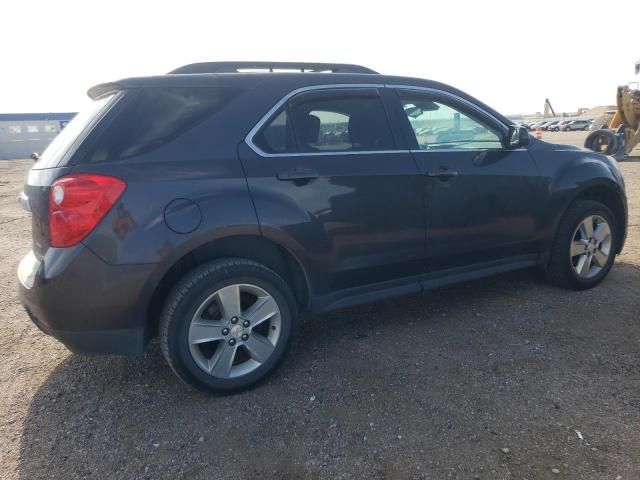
{"x":298,"y":174}
{"x":443,"y":174}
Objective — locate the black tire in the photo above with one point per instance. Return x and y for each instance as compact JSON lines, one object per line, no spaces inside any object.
{"x":560,"y":270}
{"x":192,"y":290}
{"x":595,"y":140}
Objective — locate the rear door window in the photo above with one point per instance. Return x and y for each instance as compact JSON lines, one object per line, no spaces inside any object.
{"x":153,"y":117}
{"x":334,"y":120}
{"x":337,"y":121}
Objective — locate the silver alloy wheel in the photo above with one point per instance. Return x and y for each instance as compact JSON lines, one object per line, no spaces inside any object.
{"x":234,"y":331}
{"x":590,"y":246}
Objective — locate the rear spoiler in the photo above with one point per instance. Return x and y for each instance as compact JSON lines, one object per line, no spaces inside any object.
{"x":98,"y":91}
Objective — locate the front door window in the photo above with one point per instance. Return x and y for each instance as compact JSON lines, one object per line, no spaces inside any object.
{"x":438,"y":126}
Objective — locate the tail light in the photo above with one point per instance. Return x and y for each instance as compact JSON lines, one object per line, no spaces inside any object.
{"x":77,"y":203}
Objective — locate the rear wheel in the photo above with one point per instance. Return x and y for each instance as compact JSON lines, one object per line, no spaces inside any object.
{"x":227,"y":324}
{"x":584,"y":248}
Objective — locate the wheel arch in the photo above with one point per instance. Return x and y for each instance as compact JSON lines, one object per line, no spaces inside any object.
{"x":607,"y":194}
{"x":257,"y":248}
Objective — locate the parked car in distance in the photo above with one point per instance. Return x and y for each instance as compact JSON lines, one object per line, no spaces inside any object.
{"x":545,"y":125}
{"x":558,"y":125}
{"x":209,"y":206}
{"x":577,"y":125}
{"x":535,"y":125}
{"x":549,"y":125}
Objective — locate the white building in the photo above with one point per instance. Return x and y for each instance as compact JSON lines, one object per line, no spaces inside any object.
{"x":22,"y":134}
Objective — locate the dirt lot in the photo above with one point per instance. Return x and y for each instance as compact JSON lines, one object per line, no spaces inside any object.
{"x":502,"y":378}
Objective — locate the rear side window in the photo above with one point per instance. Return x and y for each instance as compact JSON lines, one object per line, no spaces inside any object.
{"x":153,"y":117}
{"x":330,"y":121}
{"x":63,"y":142}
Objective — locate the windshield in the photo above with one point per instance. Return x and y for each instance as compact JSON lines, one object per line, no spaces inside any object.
{"x":58,"y":147}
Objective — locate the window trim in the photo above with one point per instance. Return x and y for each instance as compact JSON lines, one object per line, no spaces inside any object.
{"x":267,"y":116}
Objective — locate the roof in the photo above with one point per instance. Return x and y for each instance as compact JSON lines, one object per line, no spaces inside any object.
{"x":278,"y":83}
{"x":25,"y":117}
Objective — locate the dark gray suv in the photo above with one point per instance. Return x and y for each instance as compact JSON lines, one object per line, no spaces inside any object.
{"x":212,"y":204}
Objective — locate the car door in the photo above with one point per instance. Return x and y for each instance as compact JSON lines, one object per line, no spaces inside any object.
{"x":335,"y":185}
{"x":482,"y":198}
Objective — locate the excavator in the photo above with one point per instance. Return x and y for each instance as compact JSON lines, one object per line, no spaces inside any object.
{"x":623,"y":133}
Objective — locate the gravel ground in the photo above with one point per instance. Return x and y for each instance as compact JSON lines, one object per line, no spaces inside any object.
{"x":502,"y":378}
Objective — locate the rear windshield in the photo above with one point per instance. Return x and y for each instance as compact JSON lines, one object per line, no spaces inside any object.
{"x":152,"y":117}
{"x":56,"y":150}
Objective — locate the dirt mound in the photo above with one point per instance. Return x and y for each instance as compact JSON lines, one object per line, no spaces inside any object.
{"x":597,"y":111}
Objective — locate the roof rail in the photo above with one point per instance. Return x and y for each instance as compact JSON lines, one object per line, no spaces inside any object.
{"x":236,"y":67}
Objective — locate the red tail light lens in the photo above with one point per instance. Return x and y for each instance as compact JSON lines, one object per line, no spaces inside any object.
{"x":77,"y":203}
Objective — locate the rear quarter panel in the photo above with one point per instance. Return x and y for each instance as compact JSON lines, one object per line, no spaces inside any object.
{"x":135,"y":231}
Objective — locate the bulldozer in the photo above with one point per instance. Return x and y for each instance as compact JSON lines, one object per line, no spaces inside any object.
{"x":623,"y":133}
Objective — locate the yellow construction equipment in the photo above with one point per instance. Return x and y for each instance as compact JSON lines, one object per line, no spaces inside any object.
{"x":623,"y":133}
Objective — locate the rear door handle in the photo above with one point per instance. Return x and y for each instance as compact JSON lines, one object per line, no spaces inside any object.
{"x":443,"y":175}
{"x":298,"y":173}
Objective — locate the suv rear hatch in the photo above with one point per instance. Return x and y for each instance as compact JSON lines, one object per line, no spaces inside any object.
{"x":53,"y":163}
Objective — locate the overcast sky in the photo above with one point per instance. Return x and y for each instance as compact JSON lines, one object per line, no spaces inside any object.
{"x":509,"y":54}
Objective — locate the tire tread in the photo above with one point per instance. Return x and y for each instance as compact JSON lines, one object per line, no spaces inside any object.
{"x":558,"y":270}
{"x":188,"y":282}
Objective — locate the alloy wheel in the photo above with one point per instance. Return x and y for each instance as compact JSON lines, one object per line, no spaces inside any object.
{"x":590,"y":246}
{"x":234,"y":331}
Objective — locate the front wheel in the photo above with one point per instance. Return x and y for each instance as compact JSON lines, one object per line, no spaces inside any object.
{"x":585,"y":246}
{"x":227,"y":324}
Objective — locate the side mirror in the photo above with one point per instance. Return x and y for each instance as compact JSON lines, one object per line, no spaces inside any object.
{"x":518,"y":136}
{"x":35,"y":156}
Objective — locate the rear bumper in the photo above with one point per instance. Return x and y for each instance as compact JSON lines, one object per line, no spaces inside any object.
{"x":98,"y":342}
{"x":88,"y":305}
